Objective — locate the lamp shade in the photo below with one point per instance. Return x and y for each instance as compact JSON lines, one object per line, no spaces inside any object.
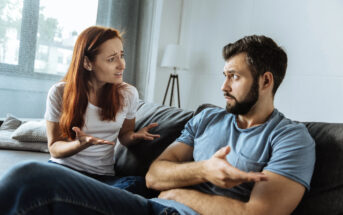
{"x":175,"y":56}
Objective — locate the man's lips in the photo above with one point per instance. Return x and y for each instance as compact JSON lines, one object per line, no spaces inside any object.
{"x":229,"y":97}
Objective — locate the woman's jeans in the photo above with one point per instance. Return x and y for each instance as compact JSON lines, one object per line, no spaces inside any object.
{"x":45,"y":188}
{"x":134,"y":184}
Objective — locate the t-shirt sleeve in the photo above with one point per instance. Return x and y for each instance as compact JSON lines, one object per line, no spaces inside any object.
{"x":132,"y":103}
{"x":191,"y":128}
{"x":54,"y":104}
{"x":293,"y":154}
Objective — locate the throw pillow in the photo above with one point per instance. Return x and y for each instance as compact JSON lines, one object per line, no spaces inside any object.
{"x":10,"y":123}
{"x":31,"y":131}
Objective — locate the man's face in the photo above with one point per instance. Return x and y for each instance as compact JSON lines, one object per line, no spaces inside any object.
{"x":240,"y":89}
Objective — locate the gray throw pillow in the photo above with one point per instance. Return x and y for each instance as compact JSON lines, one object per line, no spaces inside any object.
{"x":31,"y":131}
{"x":10,"y":123}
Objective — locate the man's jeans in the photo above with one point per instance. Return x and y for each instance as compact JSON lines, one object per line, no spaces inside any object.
{"x":43,"y":188}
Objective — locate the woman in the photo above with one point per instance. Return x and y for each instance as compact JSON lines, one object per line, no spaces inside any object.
{"x":92,"y":107}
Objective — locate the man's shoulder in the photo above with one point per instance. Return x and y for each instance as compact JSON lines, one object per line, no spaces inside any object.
{"x":287,"y":128}
{"x":286,"y":123}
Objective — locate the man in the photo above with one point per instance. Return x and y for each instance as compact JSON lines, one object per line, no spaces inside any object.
{"x":247,"y":159}
{"x":250,"y":135}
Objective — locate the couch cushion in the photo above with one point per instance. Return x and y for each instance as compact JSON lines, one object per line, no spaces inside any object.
{"x":326,"y":194}
{"x":31,"y":131}
{"x":136,"y":159}
{"x":10,"y":123}
{"x":6,"y":142}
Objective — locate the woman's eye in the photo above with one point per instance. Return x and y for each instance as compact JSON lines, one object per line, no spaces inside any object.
{"x":110,"y":59}
{"x":122,"y":56}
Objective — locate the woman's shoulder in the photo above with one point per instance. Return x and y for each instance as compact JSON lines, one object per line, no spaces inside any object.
{"x":57,"y":88}
{"x":129,"y":90}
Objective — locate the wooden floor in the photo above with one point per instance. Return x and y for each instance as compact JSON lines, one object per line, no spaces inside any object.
{"x":9,"y":158}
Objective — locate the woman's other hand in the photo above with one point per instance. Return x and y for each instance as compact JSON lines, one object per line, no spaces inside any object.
{"x":143,"y":134}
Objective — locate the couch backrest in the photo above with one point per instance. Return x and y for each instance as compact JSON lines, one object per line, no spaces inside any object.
{"x":326,"y":194}
{"x":136,"y":159}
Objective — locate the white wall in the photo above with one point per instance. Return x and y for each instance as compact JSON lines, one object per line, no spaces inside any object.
{"x":311,"y":32}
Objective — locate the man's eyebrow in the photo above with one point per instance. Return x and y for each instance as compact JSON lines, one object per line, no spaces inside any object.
{"x":232,"y":71}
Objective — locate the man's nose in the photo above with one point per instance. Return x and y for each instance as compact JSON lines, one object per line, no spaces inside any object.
{"x":226,"y":87}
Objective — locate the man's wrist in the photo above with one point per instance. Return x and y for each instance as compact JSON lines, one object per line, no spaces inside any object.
{"x":203,"y":170}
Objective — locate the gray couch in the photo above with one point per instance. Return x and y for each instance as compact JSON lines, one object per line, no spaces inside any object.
{"x":325,"y":196}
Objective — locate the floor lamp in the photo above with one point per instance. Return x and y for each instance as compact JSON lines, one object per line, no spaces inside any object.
{"x":174,"y":57}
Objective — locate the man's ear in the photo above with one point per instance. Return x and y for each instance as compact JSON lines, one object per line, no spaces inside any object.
{"x":267,"y":80}
{"x":87,"y":65}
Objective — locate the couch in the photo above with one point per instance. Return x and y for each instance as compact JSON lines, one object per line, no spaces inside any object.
{"x":325,"y":196}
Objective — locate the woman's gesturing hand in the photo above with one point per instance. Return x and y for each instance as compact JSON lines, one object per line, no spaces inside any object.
{"x":144,"y":133}
{"x":89,"y":140}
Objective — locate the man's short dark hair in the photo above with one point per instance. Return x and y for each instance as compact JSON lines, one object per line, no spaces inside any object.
{"x":263,"y":55}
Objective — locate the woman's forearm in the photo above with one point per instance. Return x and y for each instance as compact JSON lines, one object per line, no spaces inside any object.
{"x":60,"y":148}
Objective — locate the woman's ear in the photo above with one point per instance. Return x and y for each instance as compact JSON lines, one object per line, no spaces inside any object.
{"x":87,"y":65}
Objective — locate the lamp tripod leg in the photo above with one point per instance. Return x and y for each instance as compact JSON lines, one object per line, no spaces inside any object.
{"x":165,"y":94}
{"x":172,"y":91}
{"x":178,"y":90}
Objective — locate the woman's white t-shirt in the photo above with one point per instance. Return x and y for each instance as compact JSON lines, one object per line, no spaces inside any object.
{"x":96,"y":159}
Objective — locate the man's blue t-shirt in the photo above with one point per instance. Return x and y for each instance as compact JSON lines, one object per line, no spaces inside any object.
{"x":279,"y":145}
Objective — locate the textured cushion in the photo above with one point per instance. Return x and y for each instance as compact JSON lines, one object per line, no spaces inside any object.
{"x":136,"y":159}
{"x":326,"y":194}
{"x":31,"y":131}
{"x":6,"y":142}
{"x":10,"y":123}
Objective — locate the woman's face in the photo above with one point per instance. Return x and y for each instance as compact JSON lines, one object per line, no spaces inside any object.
{"x":109,"y":64}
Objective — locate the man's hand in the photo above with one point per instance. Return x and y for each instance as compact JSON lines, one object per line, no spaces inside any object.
{"x":144,"y":133}
{"x":89,"y":140}
{"x":221,"y":173}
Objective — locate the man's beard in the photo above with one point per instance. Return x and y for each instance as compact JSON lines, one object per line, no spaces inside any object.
{"x":243,"y":107}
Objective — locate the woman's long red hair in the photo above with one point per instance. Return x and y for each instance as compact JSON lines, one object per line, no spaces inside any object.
{"x":76,"y":90}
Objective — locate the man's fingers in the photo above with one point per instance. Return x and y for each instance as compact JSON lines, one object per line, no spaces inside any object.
{"x":236,"y":174}
{"x":221,"y":153}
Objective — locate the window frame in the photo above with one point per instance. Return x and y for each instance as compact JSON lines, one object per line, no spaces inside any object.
{"x":28,"y":45}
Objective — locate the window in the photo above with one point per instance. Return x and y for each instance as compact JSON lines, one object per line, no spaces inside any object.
{"x":36,"y":45}
{"x":10,"y":23}
{"x":37,"y":36}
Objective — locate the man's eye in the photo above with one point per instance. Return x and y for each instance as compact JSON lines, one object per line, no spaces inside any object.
{"x":235,"y":77}
{"x":110,"y":59}
{"x":122,"y":56}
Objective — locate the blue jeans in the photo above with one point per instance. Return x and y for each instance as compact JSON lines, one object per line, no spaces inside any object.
{"x":43,"y":188}
{"x":134,"y":184}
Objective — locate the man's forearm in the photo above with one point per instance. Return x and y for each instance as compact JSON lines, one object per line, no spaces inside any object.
{"x":206,"y":204}
{"x":164,"y":175}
